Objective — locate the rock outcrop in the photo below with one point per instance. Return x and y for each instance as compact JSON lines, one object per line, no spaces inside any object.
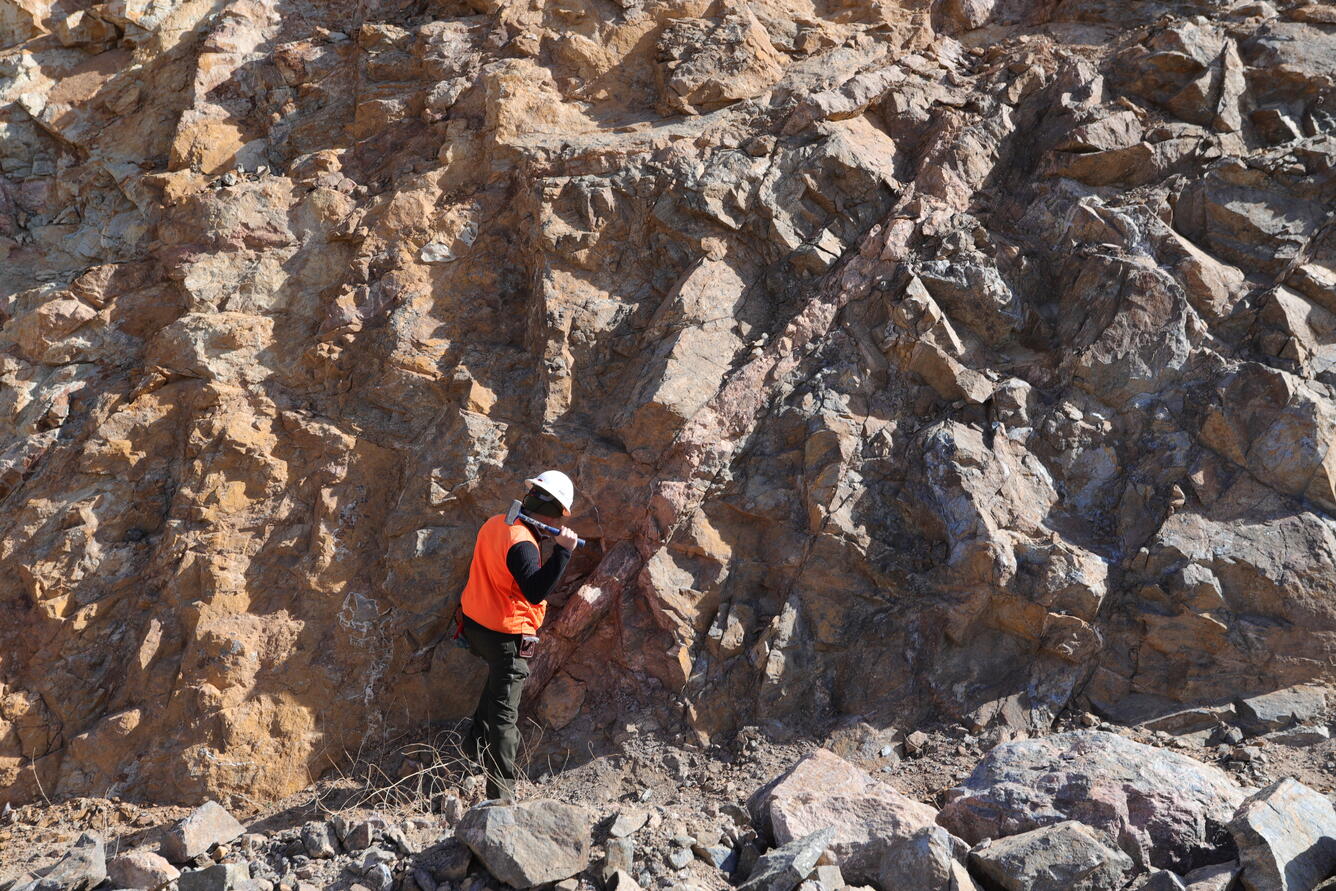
{"x":964,"y":359}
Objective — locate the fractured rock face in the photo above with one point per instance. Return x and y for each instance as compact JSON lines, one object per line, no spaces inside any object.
{"x":707,"y":63}
{"x":1012,"y":353}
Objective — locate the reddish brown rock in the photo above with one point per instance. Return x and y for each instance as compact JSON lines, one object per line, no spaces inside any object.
{"x":1009,"y":351}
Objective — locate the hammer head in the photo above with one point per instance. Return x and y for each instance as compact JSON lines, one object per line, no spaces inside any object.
{"x":514,"y":513}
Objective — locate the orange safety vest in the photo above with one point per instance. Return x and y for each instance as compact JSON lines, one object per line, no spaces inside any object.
{"x":492,"y":597}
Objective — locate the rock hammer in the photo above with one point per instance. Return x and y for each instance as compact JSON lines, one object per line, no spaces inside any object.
{"x":515,"y":513}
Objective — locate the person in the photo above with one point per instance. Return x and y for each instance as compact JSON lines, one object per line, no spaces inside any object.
{"x":502,"y":609}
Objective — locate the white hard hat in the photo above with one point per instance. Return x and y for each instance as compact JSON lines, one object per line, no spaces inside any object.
{"x":556,"y":484}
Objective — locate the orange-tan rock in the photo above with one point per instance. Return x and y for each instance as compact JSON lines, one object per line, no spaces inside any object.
{"x":964,"y":359}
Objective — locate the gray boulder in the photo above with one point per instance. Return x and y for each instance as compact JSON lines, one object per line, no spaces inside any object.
{"x":1162,"y":808}
{"x":1286,"y":835}
{"x":320,"y":841}
{"x":1281,"y":708}
{"x":929,"y":859}
{"x":208,"y":825}
{"x":83,"y":867}
{"x":788,"y":866}
{"x":1063,"y":857}
{"x":219,"y":877}
{"x":529,"y":843}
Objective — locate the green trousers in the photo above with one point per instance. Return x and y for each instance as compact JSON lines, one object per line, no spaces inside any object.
{"x":494,"y":738}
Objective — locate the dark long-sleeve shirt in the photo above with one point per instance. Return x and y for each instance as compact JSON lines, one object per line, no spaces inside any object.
{"x":537,"y":580}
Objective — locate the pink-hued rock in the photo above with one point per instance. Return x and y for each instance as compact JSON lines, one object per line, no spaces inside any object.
{"x":823,"y":790}
{"x":1161,"y":808}
{"x":140,"y":869}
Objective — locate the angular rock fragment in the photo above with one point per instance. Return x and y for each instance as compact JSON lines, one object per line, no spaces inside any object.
{"x":789,"y":865}
{"x":529,"y":843}
{"x":1286,"y":836}
{"x":320,"y":841}
{"x":929,"y":858}
{"x":1065,"y":856}
{"x":141,"y":869}
{"x":1217,"y":877}
{"x":868,"y":818}
{"x":620,"y":857}
{"x":447,"y":861}
{"x":219,"y":877}
{"x":620,"y":880}
{"x":1162,"y":880}
{"x":627,"y":822}
{"x":1299,"y":737}
{"x":83,"y":868}
{"x":365,"y":833}
{"x":208,"y":825}
{"x":1281,"y":708}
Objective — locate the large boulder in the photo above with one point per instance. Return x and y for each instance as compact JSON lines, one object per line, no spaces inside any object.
{"x":530,"y":843}
{"x":930,"y":859}
{"x":869,"y":818}
{"x":141,"y":869}
{"x":1281,"y":708}
{"x":1063,"y":857}
{"x":83,"y":867}
{"x":1286,"y":835}
{"x":208,"y":825}
{"x":1162,"y":808}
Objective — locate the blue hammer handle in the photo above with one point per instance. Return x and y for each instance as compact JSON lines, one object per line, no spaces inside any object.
{"x":550,"y":530}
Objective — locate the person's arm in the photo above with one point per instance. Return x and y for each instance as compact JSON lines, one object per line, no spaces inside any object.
{"x":536,"y":580}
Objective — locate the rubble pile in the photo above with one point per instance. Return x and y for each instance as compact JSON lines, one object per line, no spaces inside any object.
{"x":1280,"y":838}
